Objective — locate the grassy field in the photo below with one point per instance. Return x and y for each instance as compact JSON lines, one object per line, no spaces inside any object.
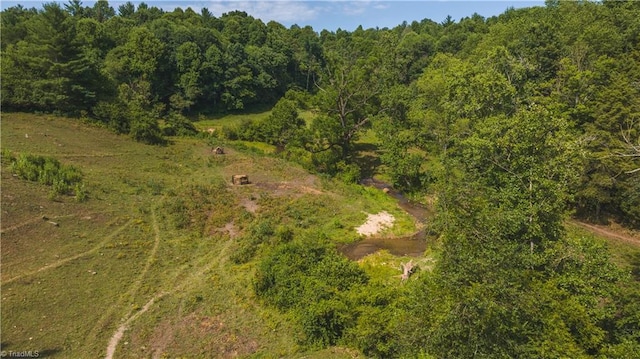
{"x":149,"y":254}
{"x":206,"y":123}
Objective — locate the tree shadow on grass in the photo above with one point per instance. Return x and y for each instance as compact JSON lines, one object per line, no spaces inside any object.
{"x":249,"y":110}
{"x":366,"y":156}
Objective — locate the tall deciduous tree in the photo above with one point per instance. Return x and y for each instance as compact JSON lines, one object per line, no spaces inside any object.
{"x":348,"y":97}
{"x":189,"y":60}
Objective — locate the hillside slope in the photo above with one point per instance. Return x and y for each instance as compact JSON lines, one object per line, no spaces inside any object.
{"x":153,"y":261}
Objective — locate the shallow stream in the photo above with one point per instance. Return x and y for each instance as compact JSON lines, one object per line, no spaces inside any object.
{"x":412,"y":246}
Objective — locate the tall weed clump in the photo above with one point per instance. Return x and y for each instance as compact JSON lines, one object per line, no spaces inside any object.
{"x":63,"y":179}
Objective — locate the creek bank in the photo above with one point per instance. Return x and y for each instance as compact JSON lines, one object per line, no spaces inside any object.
{"x":411,"y":246}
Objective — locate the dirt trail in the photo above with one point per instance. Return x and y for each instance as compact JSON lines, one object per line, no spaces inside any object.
{"x":72,"y":155}
{"x":608,"y":233}
{"x":20,"y":225}
{"x":117,"y":336}
{"x":41,"y":219}
{"x":69,"y":259}
{"x":119,"y":333}
{"x":131,"y":293}
{"x":151,"y":258}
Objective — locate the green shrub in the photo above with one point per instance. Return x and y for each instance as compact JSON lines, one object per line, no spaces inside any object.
{"x":114,"y":115}
{"x":48,"y":171}
{"x":348,"y":173}
{"x":80,"y":192}
{"x":146,"y":130}
{"x":284,"y":234}
{"x":59,"y":187}
{"x":310,"y":279}
{"x":301,"y":98}
{"x":7,"y":156}
{"x":229,"y":133}
{"x":179,"y":125}
{"x":630,"y":205}
{"x":374,"y":332}
{"x":324,"y":322}
{"x":245,"y":251}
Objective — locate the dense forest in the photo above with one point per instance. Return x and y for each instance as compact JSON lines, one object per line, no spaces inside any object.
{"x":510,"y":123}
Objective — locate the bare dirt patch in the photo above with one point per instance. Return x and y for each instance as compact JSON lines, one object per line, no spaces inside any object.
{"x":609,"y":233}
{"x":288,"y":188}
{"x":162,"y":336}
{"x":376,"y":223}
{"x":230,"y":229}
{"x":250,"y":205}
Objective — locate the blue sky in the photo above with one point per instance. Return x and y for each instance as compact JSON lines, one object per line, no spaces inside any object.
{"x":334,"y":14}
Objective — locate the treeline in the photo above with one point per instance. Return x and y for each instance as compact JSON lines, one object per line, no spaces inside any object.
{"x":144,"y":64}
{"x":423,"y":86}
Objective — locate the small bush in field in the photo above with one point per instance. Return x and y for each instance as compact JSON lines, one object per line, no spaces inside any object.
{"x":47,"y":170}
{"x":80,"y":192}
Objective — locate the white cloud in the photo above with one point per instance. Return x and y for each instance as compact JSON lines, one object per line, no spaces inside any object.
{"x":355,"y":7}
{"x":280,"y":11}
{"x":381,"y":6}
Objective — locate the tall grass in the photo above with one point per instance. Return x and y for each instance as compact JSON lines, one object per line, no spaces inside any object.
{"x":63,"y":179}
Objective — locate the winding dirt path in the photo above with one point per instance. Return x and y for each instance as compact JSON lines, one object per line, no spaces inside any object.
{"x":117,"y":336}
{"x":20,"y":225}
{"x":69,"y":259}
{"x":82,"y":155}
{"x":156,"y":230}
{"x":209,"y":264}
{"x":131,"y":293}
{"x":608,"y":233}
